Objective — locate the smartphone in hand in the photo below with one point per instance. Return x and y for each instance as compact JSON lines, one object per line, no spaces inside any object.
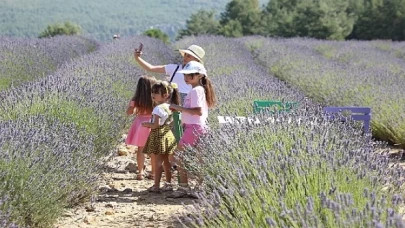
{"x":140,"y":47}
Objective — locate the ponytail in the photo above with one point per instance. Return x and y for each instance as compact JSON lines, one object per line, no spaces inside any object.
{"x":164,"y":87}
{"x":174,"y":94}
{"x":209,"y":91}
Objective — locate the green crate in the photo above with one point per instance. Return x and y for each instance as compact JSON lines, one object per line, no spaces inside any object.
{"x":273,"y":106}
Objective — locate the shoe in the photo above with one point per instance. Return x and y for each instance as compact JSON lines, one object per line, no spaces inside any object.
{"x":181,"y":192}
{"x":167,"y":187}
{"x":153,"y":188}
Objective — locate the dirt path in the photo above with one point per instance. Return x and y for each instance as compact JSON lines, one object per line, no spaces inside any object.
{"x":124,"y":201}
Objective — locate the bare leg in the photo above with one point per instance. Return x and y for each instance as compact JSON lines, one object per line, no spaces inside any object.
{"x":171,"y":158}
{"x":199,"y":175}
{"x":140,"y":159}
{"x":183,"y":178}
{"x":158,"y":168}
{"x":166,"y":167}
{"x":153,"y":164}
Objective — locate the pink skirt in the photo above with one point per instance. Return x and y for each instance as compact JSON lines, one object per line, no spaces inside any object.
{"x":138,"y":134}
{"x":191,"y":134}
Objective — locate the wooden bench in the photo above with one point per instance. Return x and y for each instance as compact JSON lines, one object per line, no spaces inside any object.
{"x":357,"y":113}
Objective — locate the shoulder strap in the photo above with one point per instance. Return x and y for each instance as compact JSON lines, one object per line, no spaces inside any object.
{"x":171,"y":79}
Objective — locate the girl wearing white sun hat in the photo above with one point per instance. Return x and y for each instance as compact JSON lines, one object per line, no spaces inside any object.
{"x":192,"y":53}
{"x":194,"y":117}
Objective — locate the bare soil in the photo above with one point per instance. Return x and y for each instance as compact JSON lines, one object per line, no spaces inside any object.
{"x":123,"y":201}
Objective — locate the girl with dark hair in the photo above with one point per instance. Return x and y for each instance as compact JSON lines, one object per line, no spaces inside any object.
{"x":141,"y":105}
{"x":194,"y":115}
{"x":161,"y":141}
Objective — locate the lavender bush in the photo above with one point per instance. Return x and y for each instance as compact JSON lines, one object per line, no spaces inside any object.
{"x":237,"y":79}
{"x":354,"y":79}
{"x":28,"y":59}
{"x":395,"y":48}
{"x":5,"y":217}
{"x":306,"y":172}
{"x":54,"y":130}
{"x":281,"y":170}
{"x":45,"y":165}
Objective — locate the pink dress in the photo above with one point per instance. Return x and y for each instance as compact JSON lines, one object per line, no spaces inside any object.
{"x":138,"y":134}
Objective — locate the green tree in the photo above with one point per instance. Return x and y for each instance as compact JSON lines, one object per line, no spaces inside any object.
{"x":232,"y":28}
{"x":200,"y":23}
{"x":245,"y":13}
{"x":59,"y":29}
{"x":158,"y":34}
{"x":278,"y":18}
{"x":381,"y":19}
{"x":323,"y":19}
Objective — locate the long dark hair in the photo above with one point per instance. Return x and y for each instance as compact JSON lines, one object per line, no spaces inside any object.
{"x":142,"y":97}
{"x":209,"y":91}
{"x":164,"y":87}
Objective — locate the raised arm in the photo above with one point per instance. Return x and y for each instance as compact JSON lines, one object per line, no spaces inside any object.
{"x":147,"y":66}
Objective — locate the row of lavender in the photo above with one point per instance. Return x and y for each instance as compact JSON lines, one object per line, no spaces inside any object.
{"x":29,"y":59}
{"x":305,"y":173}
{"x":237,"y":78}
{"x":75,"y":116}
{"x":54,"y":130}
{"x":351,"y":73}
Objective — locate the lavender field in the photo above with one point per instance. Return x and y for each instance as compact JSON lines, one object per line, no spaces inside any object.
{"x":350,"y":73}
{"x":55,"y":129}
{"x":305,"y":172}
{"x":28,"y":59}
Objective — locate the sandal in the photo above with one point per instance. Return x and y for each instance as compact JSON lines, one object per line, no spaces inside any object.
{"x":153,"y":188}
{"x":140,"y":176}
{"x":174,"y":168}
{"x":150,"y":176}
{"x":167,"y":187}
{"x":182,"y":192}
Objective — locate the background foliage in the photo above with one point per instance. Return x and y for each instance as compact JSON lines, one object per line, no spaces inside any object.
{"x":328,"y":19}
{"x":100,"y":19}
{"x":59,"y":29}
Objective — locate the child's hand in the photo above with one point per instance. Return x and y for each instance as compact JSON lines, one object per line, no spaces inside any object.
{"x":174,"y":107}
{"x":130,"y":110}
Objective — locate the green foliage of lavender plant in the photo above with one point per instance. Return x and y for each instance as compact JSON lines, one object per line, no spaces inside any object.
{"x":45,"y":166}
{"x":24,"y":60}
{"x":308,"y":173}
{"x":342,"y":74}
{"x":56,"y":129}
{"x":237,"y":79}
{"x":59,"y":108}
{"x":303,"y":173}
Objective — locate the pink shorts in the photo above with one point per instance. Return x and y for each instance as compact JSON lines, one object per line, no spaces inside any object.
{"x":191,"y":134}
{"x":138,"y":134}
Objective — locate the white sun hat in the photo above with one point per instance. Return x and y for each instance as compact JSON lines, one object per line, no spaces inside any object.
{"x":193,"y":67}
{"x":195,"y":51}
